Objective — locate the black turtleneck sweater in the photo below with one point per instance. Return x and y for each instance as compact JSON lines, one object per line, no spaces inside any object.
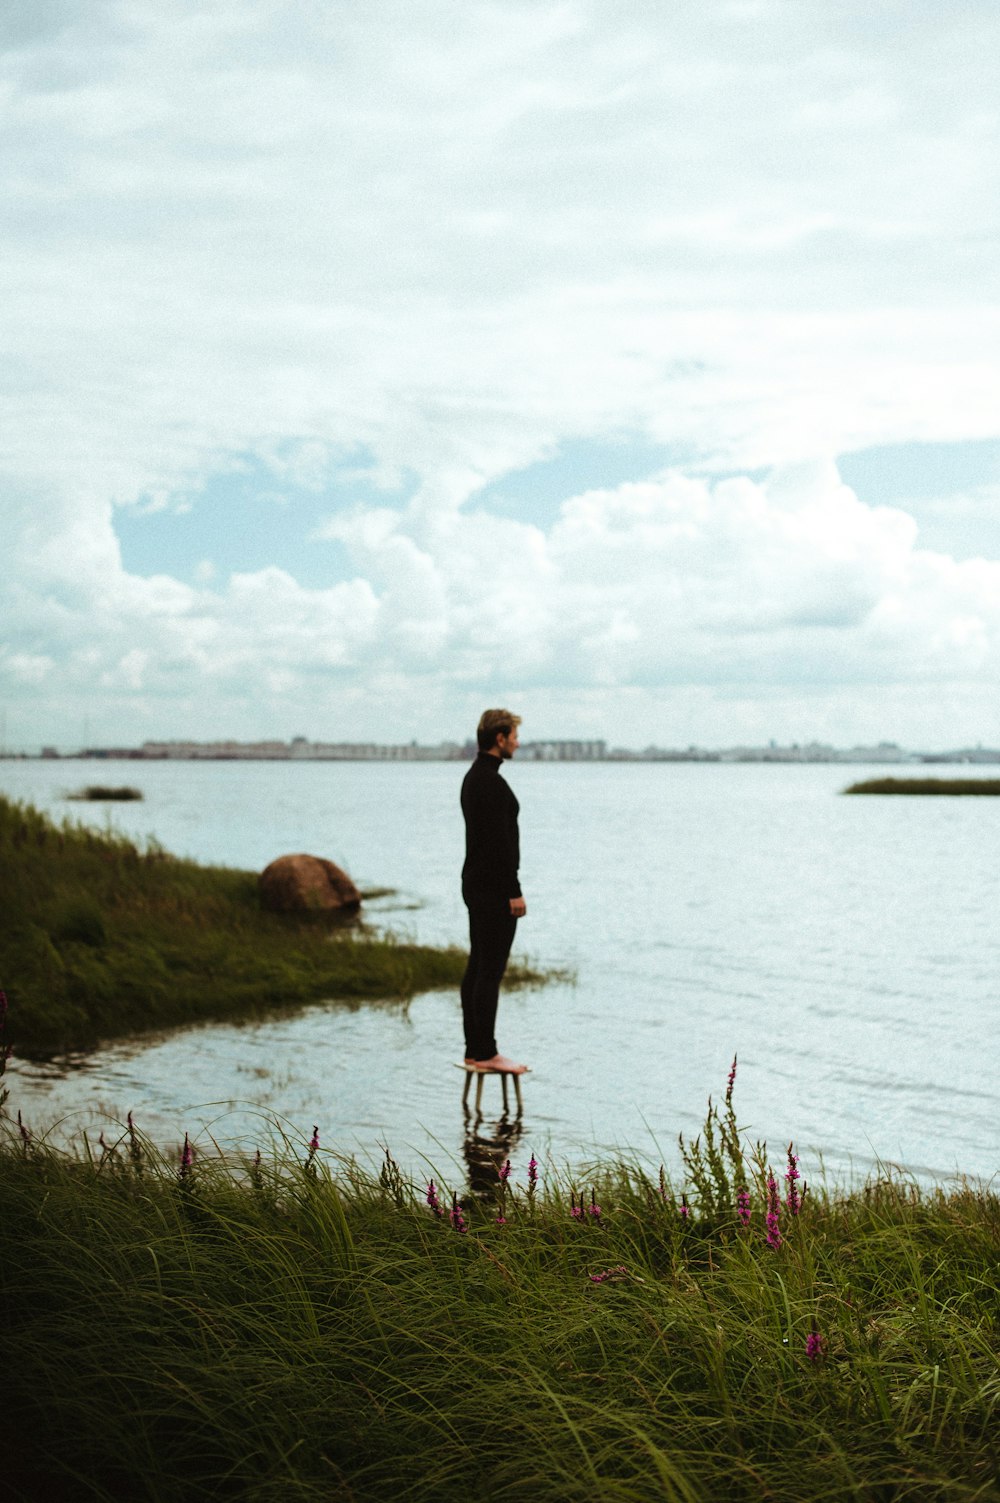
{"x":492,"y":848}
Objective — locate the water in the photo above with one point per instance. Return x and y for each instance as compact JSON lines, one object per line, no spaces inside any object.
{"x":846,"y":948}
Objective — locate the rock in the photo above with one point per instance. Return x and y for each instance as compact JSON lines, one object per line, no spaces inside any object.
{"x":307,"y":884}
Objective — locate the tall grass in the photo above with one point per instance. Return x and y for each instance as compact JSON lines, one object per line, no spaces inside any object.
{"x":102,"y":937}
{"x":295,"y":1329}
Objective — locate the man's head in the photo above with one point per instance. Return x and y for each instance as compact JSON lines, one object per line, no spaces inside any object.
{"x":497,"y":733}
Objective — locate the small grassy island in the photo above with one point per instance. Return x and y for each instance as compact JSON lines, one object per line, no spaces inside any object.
{"x":928,"y":786}
{"x":287,"y":1329}
{"x":102,"y":938}
{"x":96,"y":793}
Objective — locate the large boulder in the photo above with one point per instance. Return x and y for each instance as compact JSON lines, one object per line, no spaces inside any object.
{"x":307,"y":884}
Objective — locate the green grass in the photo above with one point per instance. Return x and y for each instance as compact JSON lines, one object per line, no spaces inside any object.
{"x":927,"y":786}
{"x":300,"y":1331}
{"x":102,"y":937}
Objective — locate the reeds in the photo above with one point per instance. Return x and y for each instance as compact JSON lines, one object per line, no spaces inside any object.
{"x":183,"y":1327}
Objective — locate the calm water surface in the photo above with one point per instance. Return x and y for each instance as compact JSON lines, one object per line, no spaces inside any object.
{"x":846,"y":948}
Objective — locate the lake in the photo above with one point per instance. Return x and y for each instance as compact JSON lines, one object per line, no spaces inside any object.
{"x":845,"y":948}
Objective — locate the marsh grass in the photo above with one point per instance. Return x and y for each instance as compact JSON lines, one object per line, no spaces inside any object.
{"x":103,"y":937}
{"x":295,"y":1329}
{"x":950,"y":786}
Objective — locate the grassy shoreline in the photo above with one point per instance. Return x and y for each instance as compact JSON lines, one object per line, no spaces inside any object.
{"x":293,"y":1329}
{"x":104,"y":938}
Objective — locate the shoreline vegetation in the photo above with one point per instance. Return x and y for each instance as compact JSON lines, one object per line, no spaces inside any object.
{"x":949,"y":786}
{"x":289,"y":1327}
{"x":104,"y":938}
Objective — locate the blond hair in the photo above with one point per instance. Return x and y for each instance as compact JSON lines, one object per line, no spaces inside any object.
{"x":494,"y":723}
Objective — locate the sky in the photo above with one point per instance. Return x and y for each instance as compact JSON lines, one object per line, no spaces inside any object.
{"x":632,"y":367}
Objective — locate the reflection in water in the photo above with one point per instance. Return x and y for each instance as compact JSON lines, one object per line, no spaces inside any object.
{"x":486,"y":1150}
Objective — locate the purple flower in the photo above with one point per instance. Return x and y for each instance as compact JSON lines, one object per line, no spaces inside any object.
{"x":532,"y":1171}
{"x":731,"y":1081}
{"x":500,"y":1220}
{"x":743,"y":1205}
{"x":815,"y":1346}
{"x":684,"y":1210}
{"x":456,"y":1217}
{"x":594,"y":1209}
{"x":576,"y":1211}
{"x":793,"y":1200}
{"x":599,"y":1278}
{"x":504,"y":1172}
{"x":432,"y":1199}
{"x":773,"y":1211}
{"x":314,"y":1140}
{"x":187,"y":1157}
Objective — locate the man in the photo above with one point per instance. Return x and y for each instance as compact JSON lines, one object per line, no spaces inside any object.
{"x":490,"y":885}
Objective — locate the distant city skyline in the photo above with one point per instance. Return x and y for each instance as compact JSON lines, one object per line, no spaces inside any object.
{"x":301,"y":749}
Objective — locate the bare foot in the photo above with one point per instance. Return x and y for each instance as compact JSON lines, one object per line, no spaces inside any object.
{"x":499,"y":1062}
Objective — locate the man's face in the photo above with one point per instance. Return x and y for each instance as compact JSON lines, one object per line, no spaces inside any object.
{"x":507,"y":745}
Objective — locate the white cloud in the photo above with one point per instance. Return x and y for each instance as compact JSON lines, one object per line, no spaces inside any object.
{"x":453,"y":239}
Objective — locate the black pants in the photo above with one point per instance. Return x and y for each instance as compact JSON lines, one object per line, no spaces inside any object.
{"x":491,"y":934}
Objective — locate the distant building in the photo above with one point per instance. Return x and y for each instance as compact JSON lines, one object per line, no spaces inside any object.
{"x":563,"y":751}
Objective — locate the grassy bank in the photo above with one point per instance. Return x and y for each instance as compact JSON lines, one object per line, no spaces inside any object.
{"x":102,"y":937}
{"x":293,"y":1330}
{"x":981,"y":786}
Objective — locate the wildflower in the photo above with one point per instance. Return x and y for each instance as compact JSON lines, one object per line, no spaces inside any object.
{"x":731,"y":1081}
{"x":187,"y":1157}
{"x":663,"y":1184}
{"x":500,"y":1220}
{"x":504,"y":1172}
{"x":314,"y":1140}
{"x":532,"y":1171}
{"x":815,"y":1346}
{"x":134,"y":1146}
{"x":594,"y":1209}
{"x":456,"y":1217}
{"x":576,"y":1211}
{"x":773,"y":1211}
{"x":793,"y":1200}
{"x":684,"y":1210}
{"x":432,"y":1199}
{"x":599,"y":1278}
{"x":743,"y":1205}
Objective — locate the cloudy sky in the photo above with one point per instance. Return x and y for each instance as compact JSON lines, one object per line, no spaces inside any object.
{"x":633,"y":365}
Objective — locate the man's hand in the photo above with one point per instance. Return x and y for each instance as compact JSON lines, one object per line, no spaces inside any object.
{"x":518,"y":907}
